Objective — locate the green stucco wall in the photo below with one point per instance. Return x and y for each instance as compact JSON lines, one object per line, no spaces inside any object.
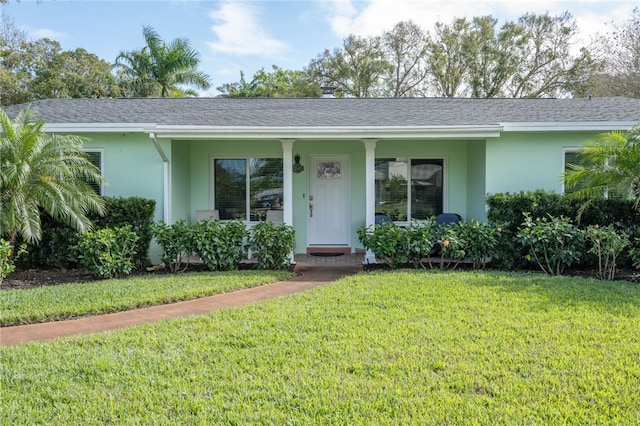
{"x":180,"y":167}
{"x":528,"y":161}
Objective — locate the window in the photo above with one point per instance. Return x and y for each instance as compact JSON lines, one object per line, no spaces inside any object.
{"x":409,"y":188}
{"x":245,"y":188}
{"x":95,"y":157}
{"x":571,"y":156}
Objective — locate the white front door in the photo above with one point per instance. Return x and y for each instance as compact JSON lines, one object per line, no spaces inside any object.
{"x":328,"y":206}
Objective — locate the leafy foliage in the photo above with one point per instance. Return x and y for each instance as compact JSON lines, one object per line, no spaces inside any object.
{"x":610,"y":167}
{"x":553,"y":243}
{"x":40,"y":69}
{"x":220,"y":245}
{"x":159,"y":68}
{"x":7,"y":258}
{"x":136,"y":212}
{"x":473,"y":240}
{"x":272,"y":245}
{"x":606,"y":245}
{"x":108,"y":252}
{"x":40,"y":171}
{"x":176,"y":243}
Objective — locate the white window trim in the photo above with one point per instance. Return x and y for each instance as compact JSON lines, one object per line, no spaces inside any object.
{"x":212,"y":178}
{"x":101,"y":151}
{"x":445,"y":179}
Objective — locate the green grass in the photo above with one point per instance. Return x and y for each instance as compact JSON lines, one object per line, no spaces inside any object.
{"x":75,"y":300}
{"x":373,"y":349}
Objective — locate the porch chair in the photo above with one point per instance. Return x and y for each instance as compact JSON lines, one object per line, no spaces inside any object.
{"x":275,"y":216}
{"x":207,"y":214}
{"x":442,"y":220}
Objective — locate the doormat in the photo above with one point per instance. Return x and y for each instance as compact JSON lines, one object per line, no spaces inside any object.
{"x":330,"y":254}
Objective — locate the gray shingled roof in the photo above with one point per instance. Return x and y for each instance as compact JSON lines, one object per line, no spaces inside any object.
{"x":322,"y":112}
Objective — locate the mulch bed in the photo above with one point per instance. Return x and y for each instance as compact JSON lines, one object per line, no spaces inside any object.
{"x":32,"y":278}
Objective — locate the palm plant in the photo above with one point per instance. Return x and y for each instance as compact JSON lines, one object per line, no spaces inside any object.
{"x":43,"y":172}
{"x":158,"y":69}
{"x":610,"y":167}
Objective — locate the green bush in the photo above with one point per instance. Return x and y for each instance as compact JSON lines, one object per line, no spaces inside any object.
{"x":221,"y":246}
{"x":56,"y":248}
{"x":7,"y":258}
{"x":176,"y":243}
{"x":272,"y":245}
{"x":136,"y":212}
{"x":473,"y":240}
{"x":396,"y":246}
{"x":387,"y":241}
{"x":108,"y":252}
{"x":606,"y":246}
{"x":553,"y":243}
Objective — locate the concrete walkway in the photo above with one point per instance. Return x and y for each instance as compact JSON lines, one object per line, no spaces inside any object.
{"x":310,"y":275}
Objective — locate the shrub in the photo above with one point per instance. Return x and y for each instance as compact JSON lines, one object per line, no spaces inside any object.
{"x":606,"y":245}
{"x":421,"y":237}
{"x":387,"y":241}
{"x":634,"y":253}
{"x":397,"y":246}
{"x":7,"y":258}
{"x":475,"y":240}
{"x":136,"y":212}
{"x":272,"y":245}
{"x":220,"y":246}
{"x":56,"y":248}
{"x":176,"y":243}
{"x":108,"y":252}
{"x":553,"y":243}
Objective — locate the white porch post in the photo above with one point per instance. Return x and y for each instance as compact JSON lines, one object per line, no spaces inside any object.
{"x":287,"y":190}
{"x":370,"y":190}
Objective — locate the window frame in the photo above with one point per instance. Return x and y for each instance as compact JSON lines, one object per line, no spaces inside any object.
{"x":410,"y":158}
{"x":565,"y":151}
{"x":247,"y":158}
{"x":101,"y":166}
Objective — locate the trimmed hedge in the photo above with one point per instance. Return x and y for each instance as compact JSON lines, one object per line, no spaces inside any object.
{"x":510,"y":208}
{"x":55,"y":250}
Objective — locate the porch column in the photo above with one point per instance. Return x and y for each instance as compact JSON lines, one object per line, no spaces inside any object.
{"x":287,"y":188}
{"x":370,"y":189}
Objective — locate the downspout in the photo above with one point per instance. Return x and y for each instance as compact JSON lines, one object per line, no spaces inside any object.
{"x":165,"y":178}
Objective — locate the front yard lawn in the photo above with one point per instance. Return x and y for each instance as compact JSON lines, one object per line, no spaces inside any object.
{"x":65,"y":301}
{"x":406,"y":347}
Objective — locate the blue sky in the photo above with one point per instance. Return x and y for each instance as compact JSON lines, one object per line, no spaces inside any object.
{"x":233,"y":35}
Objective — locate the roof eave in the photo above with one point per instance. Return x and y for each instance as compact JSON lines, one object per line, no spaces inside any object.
{"x":585,"y":126}
{"x":334,"y":132}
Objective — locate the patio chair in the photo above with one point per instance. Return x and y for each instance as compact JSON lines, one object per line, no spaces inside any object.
{"x":207,"y":214}
{"x":442,"y":220}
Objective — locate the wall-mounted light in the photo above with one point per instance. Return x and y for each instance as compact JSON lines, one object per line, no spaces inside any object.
{"x":297,"y":167}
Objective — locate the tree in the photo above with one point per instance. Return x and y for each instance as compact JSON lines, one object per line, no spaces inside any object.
{"x":620,"y":54}
{"x":160,"y":69}
{"x":40,"y":171}
{"x":354,"y":70}
{"x":406,"y":49}
{"x":610,"y":167}
{"x":492,"y":57}
{"x":275,"y":84}
{"x":449,"y":57}
{"x":40,"y":69}
{"x":546,"y":67}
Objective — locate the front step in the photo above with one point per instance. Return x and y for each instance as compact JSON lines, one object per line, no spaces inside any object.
{"x":329,"y":250}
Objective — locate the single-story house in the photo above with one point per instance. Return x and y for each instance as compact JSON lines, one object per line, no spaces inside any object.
{"x":326,"y":166}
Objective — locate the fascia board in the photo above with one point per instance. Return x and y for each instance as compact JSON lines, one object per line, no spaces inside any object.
{"x":98,"y":127}
{"x":587,"y":126}
{"x":343,"y":133}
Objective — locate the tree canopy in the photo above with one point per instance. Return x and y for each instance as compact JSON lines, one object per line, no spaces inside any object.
{"x":41,"y":171}
{"x":160,"y":69}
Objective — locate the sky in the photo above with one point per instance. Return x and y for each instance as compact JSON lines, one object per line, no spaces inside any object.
{"x":235,"y":35}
